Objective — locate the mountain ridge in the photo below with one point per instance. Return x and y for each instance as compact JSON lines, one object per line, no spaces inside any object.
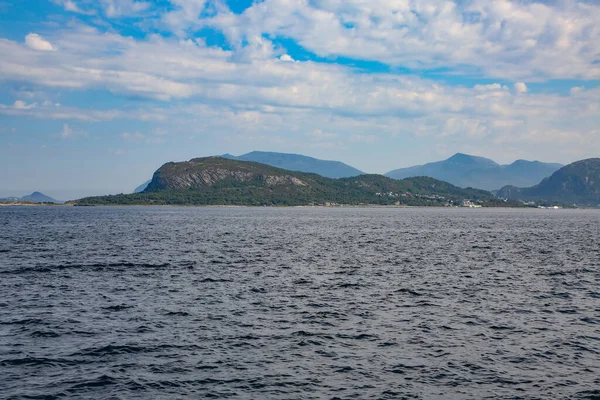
{"x":35,"y":197}
{"x":577,"y":183}
{"x":466,"y":170}
{"x":300,"y":163}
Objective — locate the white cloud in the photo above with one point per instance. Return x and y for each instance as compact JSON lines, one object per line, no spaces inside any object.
{"x":575,"y":90}
{"x":248,"y":90}
{"x":110,"y":8}
{"x":36,"y":42}
{"x":520,"y":87}
{"x":21,"y":105}
{"x":71,"y":5}
{"x":185,"y":14}
{"x":117,"y":8}
{"x":69,"y":133}
{"x":286,"y":57}
{"x":502,"y":38}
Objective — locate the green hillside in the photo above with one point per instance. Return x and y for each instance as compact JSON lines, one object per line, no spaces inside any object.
{"x":577,"y":183}
{"x":222,"y":181}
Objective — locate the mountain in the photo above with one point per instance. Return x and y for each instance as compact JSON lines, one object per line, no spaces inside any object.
{"x":296,"y":162}
{"x":222,"y":181}
{"x":142,"y":187}
{"x":470,"y":171}
{"x":577,"y":183}
{"x":35,"y":197}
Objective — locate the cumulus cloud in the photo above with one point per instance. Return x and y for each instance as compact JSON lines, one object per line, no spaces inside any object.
{"x":575,"y":90}
{"x":247,"y":88}
{"x":16,"y":107}
{"x":520,"y":87}
{"x":502,"y":38}
{"x":36,"y":42}
{"x":21,"y":105}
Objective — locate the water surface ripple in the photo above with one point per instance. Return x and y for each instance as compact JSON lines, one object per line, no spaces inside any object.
{"x":299,"y":303}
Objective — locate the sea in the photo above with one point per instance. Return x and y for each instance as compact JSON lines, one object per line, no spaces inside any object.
{"x":299,"y":303}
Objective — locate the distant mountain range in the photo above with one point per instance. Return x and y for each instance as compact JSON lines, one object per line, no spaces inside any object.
{"x":577,"y":183}
{"x":291,"y":162}
{"x":222,"y":181}
{"x":470,"y":171}
{"x":35,"y":197}
{"x":296,"y":162}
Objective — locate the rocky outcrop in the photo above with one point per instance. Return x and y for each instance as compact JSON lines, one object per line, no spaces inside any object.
{"x":207,"y":172}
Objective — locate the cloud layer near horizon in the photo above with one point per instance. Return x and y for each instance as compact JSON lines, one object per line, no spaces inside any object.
{"x":502,"y":78}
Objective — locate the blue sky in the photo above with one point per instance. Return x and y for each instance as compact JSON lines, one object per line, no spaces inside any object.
{"x":96,"y":94}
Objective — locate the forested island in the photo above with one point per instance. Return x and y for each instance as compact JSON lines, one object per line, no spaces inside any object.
{"x":223,"y":181}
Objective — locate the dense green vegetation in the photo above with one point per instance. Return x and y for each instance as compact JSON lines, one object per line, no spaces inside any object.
{"x":577,"y":183}
{"x":219,"y":181}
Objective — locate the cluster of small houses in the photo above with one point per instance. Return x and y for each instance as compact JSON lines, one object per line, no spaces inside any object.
{"x":465,"y":203}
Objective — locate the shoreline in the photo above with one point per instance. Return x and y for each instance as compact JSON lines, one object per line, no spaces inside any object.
{"x":284,"y":206}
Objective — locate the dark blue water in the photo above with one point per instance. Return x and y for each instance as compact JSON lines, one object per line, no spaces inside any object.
{"x":307,"y":303}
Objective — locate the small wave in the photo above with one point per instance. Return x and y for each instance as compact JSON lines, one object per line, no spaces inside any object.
{"x":258,"y":290}
{"x":101,"y":381}
{"x":589,"y":395}
{"x":502,"y":328}
{"x":178,"y":314}
{"x":360,"y":336}
{"x":34,"y":361}
{"x":590,"y":320}
{"x":404,"y":368}
{"x":50,"y":334}
{"x":93,"y":267}
{"x":348,"y":285}
{"x":409,"y":291}
{"x":344,"y":369}
{"x":110,"y":350}
{"x":214,"y":280}
{"x":302,"y":281}
{"x":119,"y":307}
{"x":26,"y":321}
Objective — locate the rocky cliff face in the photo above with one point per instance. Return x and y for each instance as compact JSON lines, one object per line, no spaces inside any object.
{"x":207,"y":172}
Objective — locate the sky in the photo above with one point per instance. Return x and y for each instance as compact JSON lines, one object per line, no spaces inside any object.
{"x":95,"y":95}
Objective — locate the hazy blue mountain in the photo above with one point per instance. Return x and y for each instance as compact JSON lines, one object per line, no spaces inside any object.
{"x":577,"y":183}
{"x":35,"y":197}
{"x":296,"y":162}
{"x":141,"y":188}
{"x":478,"y":172}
